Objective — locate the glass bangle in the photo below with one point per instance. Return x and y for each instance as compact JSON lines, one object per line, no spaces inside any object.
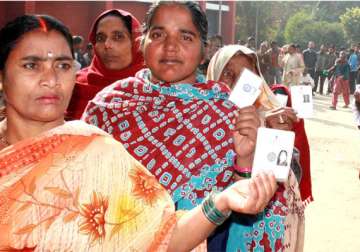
{"x":213,"y":214}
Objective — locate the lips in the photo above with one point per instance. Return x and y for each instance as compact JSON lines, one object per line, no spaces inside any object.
{"x":170,"y":61}
{"x":48,"y":99}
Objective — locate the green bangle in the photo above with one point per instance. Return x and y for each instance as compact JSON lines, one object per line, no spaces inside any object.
{"x":243,"y":174}
{"x":213,"y":214}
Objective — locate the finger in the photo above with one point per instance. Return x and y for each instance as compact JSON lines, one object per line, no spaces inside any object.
{"x":261,"y":191}
{"x":254,"y":197}
{"x":267,"y":185}
{"x":248,"y":109}
{"x":247,"y":116}
{"x":246,"y":124}
{"x":251,"y":133}
{"x":273,"y":183}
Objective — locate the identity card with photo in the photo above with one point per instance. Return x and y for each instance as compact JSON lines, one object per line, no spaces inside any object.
{"x":282,"y":99}
{"x":302,"y":102}
{"x":246,"y":90}
{"x":274,"y":149}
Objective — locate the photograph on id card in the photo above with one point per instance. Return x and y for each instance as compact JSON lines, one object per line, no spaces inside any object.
{"x":273,"y":152}
{"x":246,"y":90}
{"x":302,"y":102}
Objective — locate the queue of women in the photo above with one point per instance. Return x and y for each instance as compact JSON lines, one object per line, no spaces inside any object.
{"x":161,"y":160}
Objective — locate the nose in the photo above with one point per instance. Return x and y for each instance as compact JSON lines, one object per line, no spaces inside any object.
{"x":108,"y":43}
{"x":171,"y":43}
{"x":49,"y":77}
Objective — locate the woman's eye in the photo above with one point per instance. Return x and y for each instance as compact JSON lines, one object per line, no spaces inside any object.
{"x":118,"y":36}
{"x":30,"y":65}
{"x":100,"y":38}
{"x":228,"y":74}
{"x":156,"y":35}
{"x":187,"y":38}
{"x":64,"y":66}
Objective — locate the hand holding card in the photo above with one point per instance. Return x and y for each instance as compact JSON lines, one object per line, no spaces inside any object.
{"x":302,"y":102}
{"x":273,"y":152}
{"x":246,"y":90}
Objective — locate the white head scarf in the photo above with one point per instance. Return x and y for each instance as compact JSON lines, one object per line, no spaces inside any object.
{"x":266,"y":100}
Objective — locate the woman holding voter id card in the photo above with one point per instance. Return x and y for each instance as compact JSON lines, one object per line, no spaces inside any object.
{"x":226,"y":66}
{"x":184,"y":131}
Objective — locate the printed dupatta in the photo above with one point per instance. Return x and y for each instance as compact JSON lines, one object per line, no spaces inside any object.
{"x":182,"y":133}
{"x":77,"y":189}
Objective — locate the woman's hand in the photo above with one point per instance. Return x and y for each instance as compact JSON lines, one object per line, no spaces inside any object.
{"x":246,"y":123}
{"x":281,"y":118}
{"x":249,"y":196}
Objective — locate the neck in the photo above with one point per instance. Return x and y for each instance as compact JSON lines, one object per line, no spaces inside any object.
{"x":18,"y":129}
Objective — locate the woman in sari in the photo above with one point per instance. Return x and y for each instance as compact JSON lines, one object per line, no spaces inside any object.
{"x":226,"y":66}
{"x":70,"y":186}
{"x":115,"y":35}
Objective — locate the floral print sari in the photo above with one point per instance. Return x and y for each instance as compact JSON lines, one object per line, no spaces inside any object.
{"x":74,"y":188}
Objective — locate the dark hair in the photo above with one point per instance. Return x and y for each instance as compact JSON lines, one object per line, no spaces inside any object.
{"x":13,"y":31}
{"x":114,"y":13}
{"x":278,"y":159}
{"x":77,"y":40}
{"x":197,"y":14}
{"x":89,"y":46}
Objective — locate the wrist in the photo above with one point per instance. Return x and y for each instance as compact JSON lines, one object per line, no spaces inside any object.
{"x":242,"y":167}
{"x":215,"y":208}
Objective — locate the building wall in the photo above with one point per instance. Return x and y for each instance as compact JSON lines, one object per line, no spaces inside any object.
{"x":79,"y":15}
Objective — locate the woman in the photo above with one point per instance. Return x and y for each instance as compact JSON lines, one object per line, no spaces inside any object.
{"x":115,"y":36}
{"x":70,"y":186}
{"x":301,"y":144}
{"x":226,"y":66}
{"x":341,"y":83}
{"x":187,"y":133}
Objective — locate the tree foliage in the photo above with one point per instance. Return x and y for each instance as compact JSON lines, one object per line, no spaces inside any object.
{"x":310,"y":20}
{"x":351,"y":23}
{"x":302,"y":28}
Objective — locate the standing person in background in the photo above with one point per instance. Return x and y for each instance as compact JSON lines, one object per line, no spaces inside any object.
{"x":354,"y":67}
{"x":322,"y":64}
{"x":293,"y":67}
{"x":89,"y":53}
{"x":331,"y":60}
{"x":115,"y":36}
{"x":275,"y":69}
{"x":264,"y":61}
{"x":251,"y":43}
{"x":341,"y":85}
{"x":78,"y":43}
{"x":310,"y":59}
{"x":214,"y":43}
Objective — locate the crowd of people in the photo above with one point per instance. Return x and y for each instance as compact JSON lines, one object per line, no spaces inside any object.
{"x":161,"y":160}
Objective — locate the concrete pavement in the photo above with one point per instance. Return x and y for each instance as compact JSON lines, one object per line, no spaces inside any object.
{"x":333,"y":219}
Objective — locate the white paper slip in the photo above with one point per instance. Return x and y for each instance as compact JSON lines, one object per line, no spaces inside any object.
{"x":273,"y":152}
{"x":246,"y":90}
{"x":302,"y":100}
{"x":282,"y":99}
{"x":357,"y":87}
